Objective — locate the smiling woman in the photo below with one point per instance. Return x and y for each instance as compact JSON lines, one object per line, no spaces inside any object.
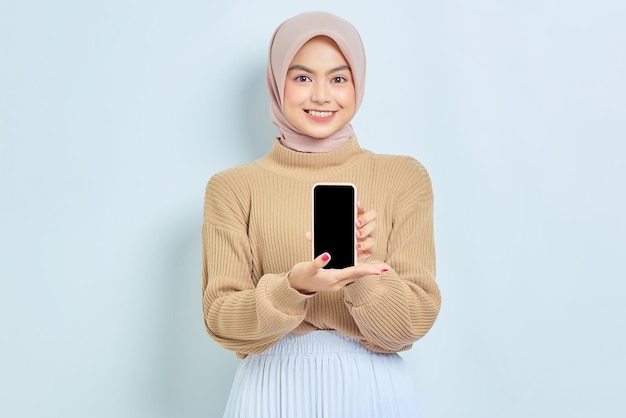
{"x":318,"y":341}
{"x":319,"y":90}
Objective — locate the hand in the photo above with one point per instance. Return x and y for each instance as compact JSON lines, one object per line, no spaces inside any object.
{"x":365,"y":232}
{"x":311,"y":276}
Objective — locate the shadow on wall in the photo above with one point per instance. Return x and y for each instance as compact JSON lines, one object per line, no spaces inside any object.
{"x":195,"y":372}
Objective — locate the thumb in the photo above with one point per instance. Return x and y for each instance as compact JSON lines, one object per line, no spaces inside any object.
{"x":320,"y":261}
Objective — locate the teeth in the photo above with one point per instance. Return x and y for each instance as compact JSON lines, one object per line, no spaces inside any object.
{"x":320,"y":114}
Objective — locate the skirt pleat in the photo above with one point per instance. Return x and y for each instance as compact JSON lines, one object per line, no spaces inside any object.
{"x":321,"y":374}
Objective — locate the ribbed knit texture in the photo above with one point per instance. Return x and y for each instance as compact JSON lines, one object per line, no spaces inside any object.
{"x":255,"y":217}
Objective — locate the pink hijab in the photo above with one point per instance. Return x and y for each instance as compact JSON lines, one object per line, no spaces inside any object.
{"x":287,"y":40}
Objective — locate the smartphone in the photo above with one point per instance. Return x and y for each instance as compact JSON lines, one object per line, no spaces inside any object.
{"x":334,"y":223}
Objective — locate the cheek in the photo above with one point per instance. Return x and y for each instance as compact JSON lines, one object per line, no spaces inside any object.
{"x":293,"y":95}
{"x":347,"y":98}
{"x":292,"y":104}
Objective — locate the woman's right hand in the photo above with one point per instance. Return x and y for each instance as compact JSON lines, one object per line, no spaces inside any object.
{"x":311,"y":276}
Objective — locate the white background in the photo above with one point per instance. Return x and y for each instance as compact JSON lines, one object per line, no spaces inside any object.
{"x":114,"y":114}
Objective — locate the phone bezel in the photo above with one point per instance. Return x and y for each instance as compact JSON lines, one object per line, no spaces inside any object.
{"x":354,"y":212}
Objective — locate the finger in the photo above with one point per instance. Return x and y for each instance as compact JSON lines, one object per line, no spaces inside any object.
{"x":361,"y":270}
{"x":365,"y":249}
{"x":366,"y":231}
{"x":367,"y":244}
{"x":309,"y":268}
{"x":320,"y":261}
{"x":366,"y":269}
{"x":359,"y":207}
{"x":366,"y":217}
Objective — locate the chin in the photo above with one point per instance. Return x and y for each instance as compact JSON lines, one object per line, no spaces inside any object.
{"x":319,"y":134}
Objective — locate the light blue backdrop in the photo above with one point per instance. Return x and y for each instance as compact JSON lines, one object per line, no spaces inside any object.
{"x":115,"y":113}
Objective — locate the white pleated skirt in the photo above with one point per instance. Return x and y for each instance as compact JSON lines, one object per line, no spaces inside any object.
{"x":322,"y":374}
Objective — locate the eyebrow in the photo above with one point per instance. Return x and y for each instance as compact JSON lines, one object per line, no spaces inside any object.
{"x":308,"y":70}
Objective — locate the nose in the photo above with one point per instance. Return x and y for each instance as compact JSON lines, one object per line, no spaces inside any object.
{"x":320,"y":93}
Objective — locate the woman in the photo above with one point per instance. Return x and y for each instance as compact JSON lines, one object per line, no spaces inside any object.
{"x":318,"y":342}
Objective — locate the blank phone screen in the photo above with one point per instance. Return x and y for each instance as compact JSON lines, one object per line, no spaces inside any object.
{"x":333,"y":224}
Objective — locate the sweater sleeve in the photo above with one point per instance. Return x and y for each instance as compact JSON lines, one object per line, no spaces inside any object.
{"x":240,"y":315}
{"x":394,"y":310}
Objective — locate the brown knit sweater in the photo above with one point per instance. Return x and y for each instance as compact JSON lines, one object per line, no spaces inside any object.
{"x":255,"y":217}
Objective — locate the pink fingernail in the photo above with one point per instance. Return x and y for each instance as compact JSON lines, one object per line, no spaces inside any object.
{"x":385,"y":270}
{"x":325,"y":257}
{"x":359,"y":246}
{"x":360,"y":222}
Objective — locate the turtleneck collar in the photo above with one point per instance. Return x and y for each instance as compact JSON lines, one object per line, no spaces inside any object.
{"x":311,"y":166}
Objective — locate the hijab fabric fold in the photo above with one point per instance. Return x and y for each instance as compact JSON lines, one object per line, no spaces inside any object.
{"x":287,"y":40}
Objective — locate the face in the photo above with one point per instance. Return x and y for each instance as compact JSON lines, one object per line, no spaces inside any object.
{"x":319,"y":94}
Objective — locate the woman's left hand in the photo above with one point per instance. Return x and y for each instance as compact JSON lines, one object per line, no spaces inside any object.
{"x":365,"y":232}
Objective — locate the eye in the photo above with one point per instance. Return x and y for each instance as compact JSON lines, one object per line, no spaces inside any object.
{"x":301,"y":79}
{"x":338,"y":80}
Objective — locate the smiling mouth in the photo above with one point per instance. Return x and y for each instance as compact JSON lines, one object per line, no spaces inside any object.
{"x":320,"y":114}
